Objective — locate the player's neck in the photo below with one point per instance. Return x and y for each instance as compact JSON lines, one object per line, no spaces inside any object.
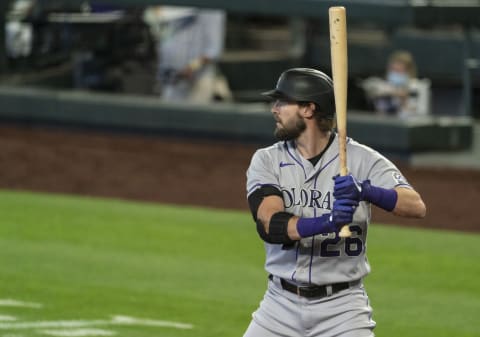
{"x":312,"y":142}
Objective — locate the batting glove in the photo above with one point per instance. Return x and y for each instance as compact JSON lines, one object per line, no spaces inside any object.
{"x":348,"y":187}
{"x":342,"y":213}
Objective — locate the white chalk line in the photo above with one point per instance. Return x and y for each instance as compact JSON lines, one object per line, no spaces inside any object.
{"x":127,"y":320}
{"x":51,"y":324}
{"x":116,"y":320}
{"x":78,"y":332}
{"x":8,"y":302}
{"x":9,"y":318}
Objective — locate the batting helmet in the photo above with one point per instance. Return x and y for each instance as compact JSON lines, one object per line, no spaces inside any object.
{"x":305,"y":85}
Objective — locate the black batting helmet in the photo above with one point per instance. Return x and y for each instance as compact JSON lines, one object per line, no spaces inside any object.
{"x":306,"y":85}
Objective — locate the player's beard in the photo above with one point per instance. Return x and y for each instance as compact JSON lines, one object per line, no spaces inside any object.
{"x":291,"y":129}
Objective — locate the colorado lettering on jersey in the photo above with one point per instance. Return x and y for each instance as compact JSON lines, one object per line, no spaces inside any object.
{"x":306,"y":198}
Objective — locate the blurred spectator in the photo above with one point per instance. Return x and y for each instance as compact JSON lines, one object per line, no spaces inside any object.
{"x":189,"y":42}
{"x":401,"y":93}
{"x":18,"y":41}
{"x":31,"y":40}
{"x":18,"y":33}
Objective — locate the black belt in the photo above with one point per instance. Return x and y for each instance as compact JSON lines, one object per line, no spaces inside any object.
{"x":313,"y":291}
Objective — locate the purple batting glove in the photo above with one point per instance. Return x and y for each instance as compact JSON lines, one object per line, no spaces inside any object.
{"x":347,"y":187}
{"x":342,"y":212}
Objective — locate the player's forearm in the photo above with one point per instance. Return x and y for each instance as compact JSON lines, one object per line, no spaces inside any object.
{"x":400,"y":201}
{"x":298,"y":228}
{"x":267,"y":210}
{"x":272,"y":213}
{"x":292,"y":229}
{"x":295,"y":228}
{"x":274,"y":225}
{"x":409,"y":203}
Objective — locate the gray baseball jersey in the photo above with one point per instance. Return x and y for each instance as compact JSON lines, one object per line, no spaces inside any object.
{"x":308,"y":192}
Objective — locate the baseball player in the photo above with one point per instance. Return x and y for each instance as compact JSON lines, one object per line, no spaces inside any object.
{"x":299,"y":203}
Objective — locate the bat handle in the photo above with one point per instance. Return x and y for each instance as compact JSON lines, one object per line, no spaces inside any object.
{"x":345,"y":232}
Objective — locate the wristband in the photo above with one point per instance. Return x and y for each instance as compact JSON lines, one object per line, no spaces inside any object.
{"x":312,"y":226}
{"x":381,"y":197}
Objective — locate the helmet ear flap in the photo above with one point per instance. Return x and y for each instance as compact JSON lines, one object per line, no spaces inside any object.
{"x":327,"y":107}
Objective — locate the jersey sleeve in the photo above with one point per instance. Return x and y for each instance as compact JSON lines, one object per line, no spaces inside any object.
{"x":260,"y":173}
{"x":383,"y":173}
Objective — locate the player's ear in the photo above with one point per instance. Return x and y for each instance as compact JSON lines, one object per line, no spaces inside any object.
{"x":309,"y":110}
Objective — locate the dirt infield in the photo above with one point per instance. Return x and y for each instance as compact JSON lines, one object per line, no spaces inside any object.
{"x":196,"y":172}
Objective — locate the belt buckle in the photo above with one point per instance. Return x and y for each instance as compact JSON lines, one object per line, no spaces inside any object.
{"x":303,"y":291}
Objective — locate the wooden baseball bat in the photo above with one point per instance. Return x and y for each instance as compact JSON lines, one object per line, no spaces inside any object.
{"x":338,"y":48}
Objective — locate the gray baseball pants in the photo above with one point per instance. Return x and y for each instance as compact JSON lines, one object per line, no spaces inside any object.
{"x":284,"y":314}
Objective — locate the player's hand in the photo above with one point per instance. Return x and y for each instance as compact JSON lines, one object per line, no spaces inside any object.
{"x":347,"y":187}
{"x":342,"y":212}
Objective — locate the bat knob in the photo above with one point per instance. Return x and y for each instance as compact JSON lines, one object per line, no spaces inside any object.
{"x":345,"y":232}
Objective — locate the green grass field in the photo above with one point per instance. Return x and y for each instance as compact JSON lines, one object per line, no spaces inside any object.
{"x":80,"y":262}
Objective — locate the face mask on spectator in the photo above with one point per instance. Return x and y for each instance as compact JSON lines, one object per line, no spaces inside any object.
{"x":397,"y":79}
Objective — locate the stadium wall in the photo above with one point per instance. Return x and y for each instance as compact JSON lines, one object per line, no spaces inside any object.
{"x":245,"y":122}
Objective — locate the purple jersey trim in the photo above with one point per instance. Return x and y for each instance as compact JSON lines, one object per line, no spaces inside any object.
{"x":294,"y":272}
{"x":315,"y":215}
{"x":311,"y":261}
{"x":313,"y":238}
{"x":254,"y":187}
{"x":324,"y":166}
{"x":314,"y":210}
{"x":400,"y":185}
{"x":296,"y":259}
{"x":296,"y":159}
